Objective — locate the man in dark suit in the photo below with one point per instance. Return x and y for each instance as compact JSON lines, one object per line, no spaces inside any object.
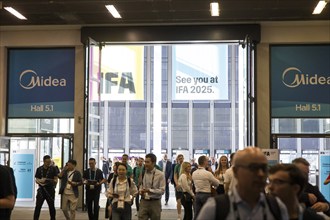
{"x":166,"y":166}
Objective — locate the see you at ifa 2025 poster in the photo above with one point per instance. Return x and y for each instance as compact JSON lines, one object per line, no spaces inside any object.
{"x":41,"y":82}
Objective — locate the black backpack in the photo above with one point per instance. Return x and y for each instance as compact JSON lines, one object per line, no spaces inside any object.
{"x":223,"y":206}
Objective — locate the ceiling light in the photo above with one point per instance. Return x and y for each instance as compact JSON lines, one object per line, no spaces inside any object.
{"x":319,"y":7}
{"x":214,"y":7}
{"x":16,"y":13}
{"x":113,"y":11}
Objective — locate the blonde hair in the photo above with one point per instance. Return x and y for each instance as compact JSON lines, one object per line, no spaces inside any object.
{"x":184,"y":165}
{"x":219,"y":169}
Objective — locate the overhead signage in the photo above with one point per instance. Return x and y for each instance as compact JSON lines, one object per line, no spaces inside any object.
{"x":41,"y":83}
{"x":200,"y":72}
{"x":122,"y":70}
{"x":300,"y":81}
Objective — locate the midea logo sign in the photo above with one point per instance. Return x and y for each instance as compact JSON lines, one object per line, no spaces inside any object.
{"x":29,"y":79}
{"x":292,"y":77}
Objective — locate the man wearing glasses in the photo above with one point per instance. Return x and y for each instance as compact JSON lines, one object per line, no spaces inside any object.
{"x":287,"y":182}
{"x":247,"y":199}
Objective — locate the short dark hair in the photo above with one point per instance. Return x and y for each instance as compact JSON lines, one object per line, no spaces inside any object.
{"x":295,"y":174}
{"x":73,"y":162}
{"x":92,"y":159}
{"x":232,"y":156}
{"x":121,"y":164}
{"x":152,"y":157}
{"x":46,"y":157}
{"x":125,"y":155}
{"x":301,"y":160}
{"x":201,"y":160}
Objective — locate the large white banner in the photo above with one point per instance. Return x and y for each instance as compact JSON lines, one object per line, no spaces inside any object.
{"x":200,"y":72}
{"x":122,"y":73}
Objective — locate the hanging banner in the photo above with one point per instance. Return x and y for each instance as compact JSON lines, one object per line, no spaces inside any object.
{"x":41,"y":83}
{"x":200,"y":72}
{"x":122,"y":70}
{"x":324,"y":173}
{"x":300,"y":81}
{"x":22,"y":163}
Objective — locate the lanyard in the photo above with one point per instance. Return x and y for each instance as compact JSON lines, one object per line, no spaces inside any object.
{"x":90,"y":174}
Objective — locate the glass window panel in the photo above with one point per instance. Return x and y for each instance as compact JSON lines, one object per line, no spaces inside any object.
{"x":201,"y":128}
{"x":180,"y":128}
{"x":54,"y":126}
{"x":138,"y":126}
{"x":222,"y":127}
{"x":116,"y":130}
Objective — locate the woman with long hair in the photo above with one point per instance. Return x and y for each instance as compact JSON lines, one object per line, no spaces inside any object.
{"x":185,"y":182}
{"x":223,"y":165}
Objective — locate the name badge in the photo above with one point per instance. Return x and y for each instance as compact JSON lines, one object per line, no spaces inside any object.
{"x":121,"y":204}
{"x":68,"y":186}
{"x":91,"y":186}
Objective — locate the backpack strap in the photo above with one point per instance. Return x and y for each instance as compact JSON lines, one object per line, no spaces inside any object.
{"x":274,"y":207}
{"x":222,"y":206}
{"x":129,"y":181}
{"x":114,"y":182}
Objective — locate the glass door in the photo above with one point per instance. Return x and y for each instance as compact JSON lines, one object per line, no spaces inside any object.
{"x":4,"y":151}
{"x":67,"y":143}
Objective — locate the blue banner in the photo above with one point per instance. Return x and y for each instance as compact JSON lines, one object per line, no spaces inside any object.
{"x":324,"y":173}
{"x":300,"y":81}
{"x":41,"y":83}
{"x":23,"y":166}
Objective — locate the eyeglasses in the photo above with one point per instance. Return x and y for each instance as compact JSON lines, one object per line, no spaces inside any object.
{"x":255,"y":167}
{"x":278,"y":182}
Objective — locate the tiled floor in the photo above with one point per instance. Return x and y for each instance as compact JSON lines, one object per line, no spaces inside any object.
{"x":24,"y":209}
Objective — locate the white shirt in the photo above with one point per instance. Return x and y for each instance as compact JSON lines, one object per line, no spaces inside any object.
{"x":203,"y":180}
{"x":123,"y":190}
{"x":229,"y":178}
{"x":185,"y":184}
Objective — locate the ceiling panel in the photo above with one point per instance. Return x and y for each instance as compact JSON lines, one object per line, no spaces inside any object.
{"x":93,"y":12}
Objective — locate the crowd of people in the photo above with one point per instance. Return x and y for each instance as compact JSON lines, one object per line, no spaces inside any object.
{"x":240,"y":187}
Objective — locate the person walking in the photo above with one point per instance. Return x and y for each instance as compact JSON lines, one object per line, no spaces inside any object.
{"x":46,"y":178}
{"x":70,"y":181}
{"x":166,"y":166}
{"x":220,"y":172}
{"x":93,"y":179}
{"x":7,"y":193}
{"x":203,"y":180}
{"x":178,"y":193}
{"x":185,"y":182}
{"x":151,"y":190}
{"x":122,"y":190}
{"x":247,"y":199}
{"x":137,"y":171}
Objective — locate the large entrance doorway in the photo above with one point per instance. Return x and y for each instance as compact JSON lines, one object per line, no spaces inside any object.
{"x":58,"y":147}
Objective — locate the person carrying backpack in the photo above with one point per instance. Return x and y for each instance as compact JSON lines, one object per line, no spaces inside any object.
{"x":247,"y":200}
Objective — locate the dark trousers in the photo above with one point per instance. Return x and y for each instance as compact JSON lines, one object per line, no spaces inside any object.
{"x":187,"y":205}
{"x":200,"y":200}
{"x":167,"y":191}
{"x":92,"y":202}
{"x":42,"y":195}
{"x":137,"y":202}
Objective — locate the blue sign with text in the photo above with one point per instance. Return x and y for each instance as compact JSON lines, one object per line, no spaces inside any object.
{"x":23,"y":166}
{"x":41,"y":83}
{"x":300,"y":81}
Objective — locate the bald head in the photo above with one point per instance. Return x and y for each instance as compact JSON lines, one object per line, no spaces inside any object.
{"x":249,"y":155}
